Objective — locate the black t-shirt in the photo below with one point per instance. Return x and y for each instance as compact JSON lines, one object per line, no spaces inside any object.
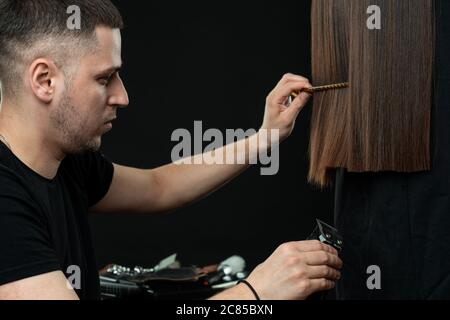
{"x":401,"y":222}
{"x":44,"y":223}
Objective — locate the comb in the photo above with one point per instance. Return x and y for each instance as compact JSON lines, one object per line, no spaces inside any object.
{"x":322,"y":88}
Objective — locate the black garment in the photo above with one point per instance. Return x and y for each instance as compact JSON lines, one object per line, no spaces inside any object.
{"x":44,"y":223}
{"x":401,"y":222}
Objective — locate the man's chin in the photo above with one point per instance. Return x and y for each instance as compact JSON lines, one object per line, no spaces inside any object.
{"x":91,"y":146}
{"x":95,"y":144}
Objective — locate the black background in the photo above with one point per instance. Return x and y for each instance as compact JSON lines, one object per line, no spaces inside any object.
{"x":213,"y":62}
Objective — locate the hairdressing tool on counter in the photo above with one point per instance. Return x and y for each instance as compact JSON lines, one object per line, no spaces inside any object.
{"x":170,"y":280}
{"x":322,"y":88}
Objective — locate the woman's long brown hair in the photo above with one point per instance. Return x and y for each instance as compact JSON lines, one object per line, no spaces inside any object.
{"x":382,"y":121}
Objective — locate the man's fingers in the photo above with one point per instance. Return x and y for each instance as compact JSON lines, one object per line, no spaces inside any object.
{"x":322,"y":284}
{"x":297,"y":105}
{"x":317,"y":258}
{"x":314,"y":245}
{"x":291,"y":77}
{"x":317,"y":272}
{"x":280,"y":94}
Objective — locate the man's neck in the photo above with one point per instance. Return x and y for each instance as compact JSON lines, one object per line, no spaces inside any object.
{"x":26,"y":139}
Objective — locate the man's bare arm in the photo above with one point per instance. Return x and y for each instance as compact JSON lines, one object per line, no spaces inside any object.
{"x":48,"y":286}
{"x":168,"y":187}
{"x":173,"y":186}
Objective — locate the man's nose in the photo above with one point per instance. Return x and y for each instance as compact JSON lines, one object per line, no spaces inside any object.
{"x":119,"y":95}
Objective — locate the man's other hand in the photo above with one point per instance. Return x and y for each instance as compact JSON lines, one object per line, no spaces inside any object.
{"x":296,"y":270}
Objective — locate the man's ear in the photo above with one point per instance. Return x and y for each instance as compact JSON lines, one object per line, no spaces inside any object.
{"x":42,"y":75}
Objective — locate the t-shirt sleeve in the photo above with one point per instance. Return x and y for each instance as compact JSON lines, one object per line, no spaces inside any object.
{"x":25,"y":248}
{"x":97,"y":173}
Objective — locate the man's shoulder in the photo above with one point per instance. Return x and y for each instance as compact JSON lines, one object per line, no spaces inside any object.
{"x":9,"y":177}
{"x":15,"y":182}
{"x":17,"y":197}
{"x":14,"y":188}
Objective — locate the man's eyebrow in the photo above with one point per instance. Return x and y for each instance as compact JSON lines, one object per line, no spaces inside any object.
{"x":111,"y":70}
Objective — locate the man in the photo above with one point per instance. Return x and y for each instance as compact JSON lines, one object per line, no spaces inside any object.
{"x":61,"y":90}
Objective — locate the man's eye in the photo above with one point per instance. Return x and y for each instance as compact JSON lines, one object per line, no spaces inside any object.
{"x":105,"y":81}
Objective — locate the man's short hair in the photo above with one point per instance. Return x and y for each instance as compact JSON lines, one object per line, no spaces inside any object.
{"x":34,"y":28}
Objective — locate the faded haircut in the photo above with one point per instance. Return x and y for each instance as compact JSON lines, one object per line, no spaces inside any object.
{"x":30,"y":29}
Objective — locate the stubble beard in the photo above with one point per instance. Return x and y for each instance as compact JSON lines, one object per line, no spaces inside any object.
{"x":72,"y":128}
